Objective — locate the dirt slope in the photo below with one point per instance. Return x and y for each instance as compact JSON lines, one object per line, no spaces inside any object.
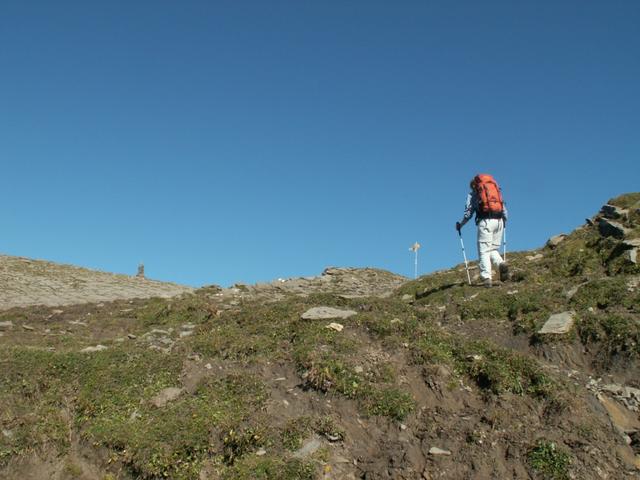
{"x":423,"y":379}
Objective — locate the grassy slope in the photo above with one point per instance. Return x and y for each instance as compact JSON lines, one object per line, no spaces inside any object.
{"x":54,"y":397}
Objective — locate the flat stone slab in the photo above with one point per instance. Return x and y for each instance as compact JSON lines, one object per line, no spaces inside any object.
{"x":7,"y":324}
{"x":558,"y":323}
{"x":327,"y":313}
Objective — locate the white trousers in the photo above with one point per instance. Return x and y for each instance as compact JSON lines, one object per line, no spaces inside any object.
{"x":489,"y":239}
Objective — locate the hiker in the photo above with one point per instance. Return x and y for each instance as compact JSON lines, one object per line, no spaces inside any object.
{"x":485,"y":200}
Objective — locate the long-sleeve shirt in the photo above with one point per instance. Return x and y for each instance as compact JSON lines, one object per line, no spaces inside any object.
{"x":472,"y":206}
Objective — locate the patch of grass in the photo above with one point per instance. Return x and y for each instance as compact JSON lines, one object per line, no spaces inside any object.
{"x":626,"y":200}
{"x":529,"y":307}
{"x":270,"y":468}
{"x":425,"y":287}
{"x":254,"y":331}
{"x":389,"y":402}
{"x":327,"y":427}
{"x":295,"y":431}
{"x":332,"y":375}
{"x":495,"y":369}
{"x":237,"y":443}
{"x":601,"y":294}
{"x":549,"y":460}
{"x":489,"y":304}
{"x":576,"y":256}
{"x":500,"y":370}
{"x":105,"y":396}
{"x":163,"y":312}
{"x":616,"y":333}
{"x":36,"y":388}
{"x":432,"y":346}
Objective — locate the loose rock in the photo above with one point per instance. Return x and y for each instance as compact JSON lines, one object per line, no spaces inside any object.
{"x":438,"y":451}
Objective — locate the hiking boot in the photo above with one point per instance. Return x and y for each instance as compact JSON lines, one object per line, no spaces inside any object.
{"x":504,"y":271}
{"x":487,"y":283}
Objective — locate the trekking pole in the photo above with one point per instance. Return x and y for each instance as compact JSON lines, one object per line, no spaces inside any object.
{"x":504,"y":243}
{"x":464,"y":255}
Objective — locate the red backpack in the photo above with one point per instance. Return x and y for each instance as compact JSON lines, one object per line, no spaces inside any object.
{"x":489,"y":195}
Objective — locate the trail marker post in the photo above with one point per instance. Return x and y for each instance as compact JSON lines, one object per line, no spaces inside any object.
{"x":414,"y":248}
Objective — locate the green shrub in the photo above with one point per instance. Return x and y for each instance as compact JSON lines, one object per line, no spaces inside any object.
{"x":549,"y":460}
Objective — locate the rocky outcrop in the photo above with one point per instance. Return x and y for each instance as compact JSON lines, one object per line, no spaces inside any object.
{"x":609,"y":228}
{"x":614,"y":213}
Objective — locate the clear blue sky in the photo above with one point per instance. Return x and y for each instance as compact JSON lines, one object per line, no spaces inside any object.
{"x":225,"y":141}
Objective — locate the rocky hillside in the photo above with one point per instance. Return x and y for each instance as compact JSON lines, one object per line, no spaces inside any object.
{"x":353,"y":374}
{"x":25,"y":282}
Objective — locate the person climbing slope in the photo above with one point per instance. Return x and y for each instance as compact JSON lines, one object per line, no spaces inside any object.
{"x":485,"y":200}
